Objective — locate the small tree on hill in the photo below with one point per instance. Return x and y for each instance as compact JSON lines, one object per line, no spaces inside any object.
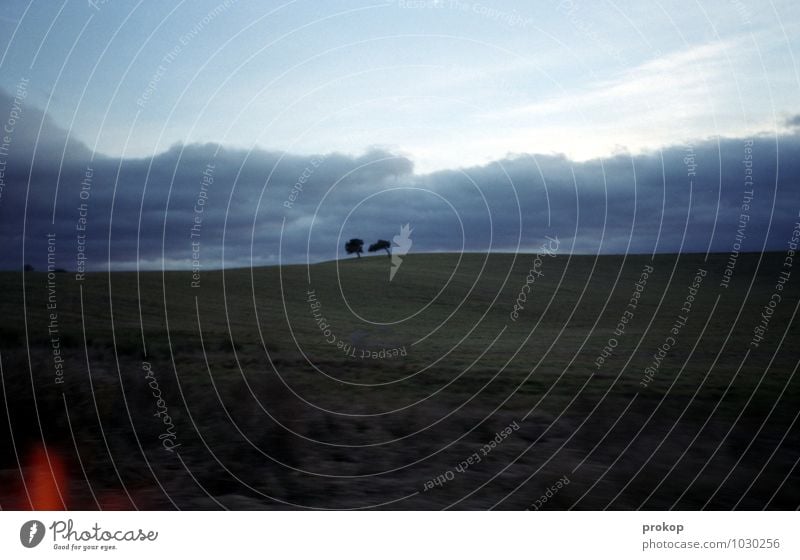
{"x":381,"y":244}
{"x":354,"y":246}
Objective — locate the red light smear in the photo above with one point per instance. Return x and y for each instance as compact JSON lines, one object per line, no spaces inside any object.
{"x":46,"y":480}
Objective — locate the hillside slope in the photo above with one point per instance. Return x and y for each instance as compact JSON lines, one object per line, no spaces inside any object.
{"x":644,"y":381}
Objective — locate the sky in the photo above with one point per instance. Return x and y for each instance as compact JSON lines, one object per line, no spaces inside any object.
{"x":487,"y":125}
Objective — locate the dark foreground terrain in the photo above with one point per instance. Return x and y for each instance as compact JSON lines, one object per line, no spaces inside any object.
{"x":431,"y":391}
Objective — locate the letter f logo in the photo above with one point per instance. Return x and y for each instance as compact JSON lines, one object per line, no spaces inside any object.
{"x":31,"y":533}
{"x":402,"y":246}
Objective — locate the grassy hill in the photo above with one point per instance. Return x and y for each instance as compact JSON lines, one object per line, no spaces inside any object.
{"x":331,"y":386}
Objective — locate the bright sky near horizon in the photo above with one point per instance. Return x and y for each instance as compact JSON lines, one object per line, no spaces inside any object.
{"x":449,"y":83}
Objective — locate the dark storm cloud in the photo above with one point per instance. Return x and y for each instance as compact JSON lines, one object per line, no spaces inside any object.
{"x":263,"y":207}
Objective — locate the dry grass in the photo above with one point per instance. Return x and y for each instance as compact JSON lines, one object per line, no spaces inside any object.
{"x":268,"y":414}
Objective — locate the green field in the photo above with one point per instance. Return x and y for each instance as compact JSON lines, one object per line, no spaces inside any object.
{"x":362,"y":394}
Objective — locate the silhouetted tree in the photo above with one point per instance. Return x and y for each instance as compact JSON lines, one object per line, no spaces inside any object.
{"x":381,"y":244}
{"x":354,"y":246}
{"x":29,"y":268}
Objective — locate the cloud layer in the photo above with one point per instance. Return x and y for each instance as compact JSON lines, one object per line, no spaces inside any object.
{"x":212,"y":206}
